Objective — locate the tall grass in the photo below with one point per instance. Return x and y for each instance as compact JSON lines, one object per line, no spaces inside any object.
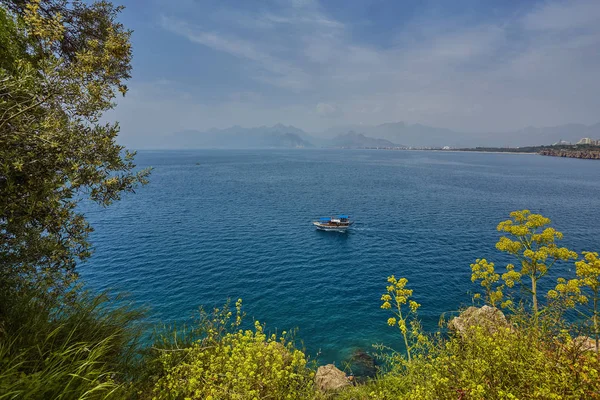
{"x":82,"y":348}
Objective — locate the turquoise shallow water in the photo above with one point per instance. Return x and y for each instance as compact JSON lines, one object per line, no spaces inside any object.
{"x":238,"y":225}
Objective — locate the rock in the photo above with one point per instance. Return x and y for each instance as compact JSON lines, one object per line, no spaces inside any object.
{"x":329,"y":378}
{"x":488,"y":317}
{"x":362,"y":364}
{"x":591,"y":154}
{"x":584,"y":343}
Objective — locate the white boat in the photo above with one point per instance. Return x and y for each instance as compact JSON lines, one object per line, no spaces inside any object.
{"x":341,"y":223}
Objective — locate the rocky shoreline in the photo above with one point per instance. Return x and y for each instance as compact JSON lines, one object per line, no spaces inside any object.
{"x":584,"y":154}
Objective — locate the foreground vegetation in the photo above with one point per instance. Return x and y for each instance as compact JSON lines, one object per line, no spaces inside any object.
{"x":61,"y":65}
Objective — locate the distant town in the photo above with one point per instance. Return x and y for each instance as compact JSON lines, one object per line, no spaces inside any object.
{"x":585,"y":148}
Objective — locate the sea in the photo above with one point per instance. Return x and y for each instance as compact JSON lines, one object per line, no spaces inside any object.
{"x":214,"y":225}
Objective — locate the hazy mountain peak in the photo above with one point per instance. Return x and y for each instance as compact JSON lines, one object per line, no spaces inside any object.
{"x":276,"y":136}
{"x":352,"y":139}
{"x":383,"y":135}
{"x":398,"y":123}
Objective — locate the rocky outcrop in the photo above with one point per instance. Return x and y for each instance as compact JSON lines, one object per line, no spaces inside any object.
{"x":329,"y":378}
{"x":362,"y":365}
{"x":584,"y":343}
{"x":490,"y":318}
{"x":586,"y":154}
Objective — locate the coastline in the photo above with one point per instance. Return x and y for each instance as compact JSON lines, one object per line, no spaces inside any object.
{"x":489,"y":152}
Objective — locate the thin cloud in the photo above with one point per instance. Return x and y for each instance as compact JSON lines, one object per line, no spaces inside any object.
{"x":284,"y":74}
{"x":563,"y":15}
{"x":328,"y":110}
{"x":535,"y":66}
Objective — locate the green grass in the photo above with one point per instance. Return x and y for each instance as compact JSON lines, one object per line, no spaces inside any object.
{"x":81,"y":348}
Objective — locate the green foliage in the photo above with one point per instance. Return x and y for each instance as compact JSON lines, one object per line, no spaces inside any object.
{"x":485,"y":272}
{"x":583,"y":292}
{"x":225,"y":362}
{"x":588,"y":274}
{"x":506,"y":364}
{"x":532,"y":242}
{"x":176,"y":338}
{"x":511,"y":363}
{"x":398,"y":295}
{"x":11,"y":43}
{"x":62,"y":64}
{"x":78,"y":349}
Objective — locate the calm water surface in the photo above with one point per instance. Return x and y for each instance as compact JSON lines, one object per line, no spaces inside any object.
{"x":238,"y":225}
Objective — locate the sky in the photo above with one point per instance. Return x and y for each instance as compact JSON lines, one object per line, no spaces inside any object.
{"x":467,"y":65}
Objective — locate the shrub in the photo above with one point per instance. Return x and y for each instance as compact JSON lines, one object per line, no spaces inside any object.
{"x":508,"y":364}
{"x":225,"y":362}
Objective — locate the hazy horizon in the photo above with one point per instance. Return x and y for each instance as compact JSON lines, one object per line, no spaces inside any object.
{"x":347,"y":127}
{"x":399,"y":134}
{"x":467,"y":66}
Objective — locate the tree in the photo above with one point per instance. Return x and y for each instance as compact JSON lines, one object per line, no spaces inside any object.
{"x":532,"y":242}
{"x":62,"y":64}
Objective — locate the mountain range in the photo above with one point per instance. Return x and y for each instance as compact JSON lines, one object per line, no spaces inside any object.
{"x":353,"y":140}
{"x":396,"y":134}
{"x":277,"y":136}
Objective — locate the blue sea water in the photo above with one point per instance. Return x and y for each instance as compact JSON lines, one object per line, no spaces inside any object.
{"x":238,"y":224}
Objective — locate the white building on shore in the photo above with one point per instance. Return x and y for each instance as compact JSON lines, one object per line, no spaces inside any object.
{"x":590,"y":141}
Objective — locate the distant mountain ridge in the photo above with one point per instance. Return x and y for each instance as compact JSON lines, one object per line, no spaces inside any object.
{"x":277,"y":136}
{"x":418,"y":135}
{"x":355,"y":140}
{"x":415,"y":135}
{"x":383,"y":135}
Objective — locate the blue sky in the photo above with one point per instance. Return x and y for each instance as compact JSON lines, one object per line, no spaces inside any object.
{"x":462,"y":64}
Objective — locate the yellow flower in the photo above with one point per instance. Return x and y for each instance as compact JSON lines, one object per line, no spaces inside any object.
{"x":413,"y":305}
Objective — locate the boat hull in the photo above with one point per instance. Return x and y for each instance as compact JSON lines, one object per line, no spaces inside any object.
{"x":331,"y":228}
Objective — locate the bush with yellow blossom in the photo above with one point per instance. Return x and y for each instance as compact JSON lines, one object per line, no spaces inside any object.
{"x":397,"y":299}
{"x":484,"y":271}
{"x":506,"y":364}
{"x":588,"y":274}
{"x":531,"y":240}
{"x":231,"y":363}
{"x":583,"y":292}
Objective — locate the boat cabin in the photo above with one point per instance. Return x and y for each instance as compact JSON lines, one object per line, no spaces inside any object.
{"x":339,"y":221}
